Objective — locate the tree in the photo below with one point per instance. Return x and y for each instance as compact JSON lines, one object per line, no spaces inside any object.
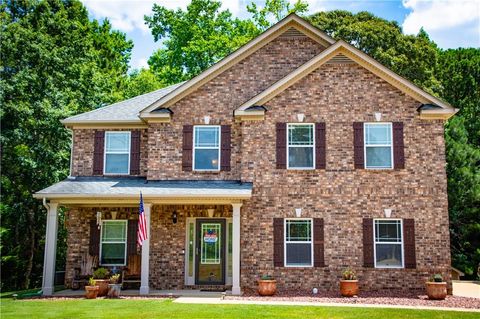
{"x":194,"y":39}
{"x":54,"y":62}
{"x":140,"y":82}
{"x":273,"y":11}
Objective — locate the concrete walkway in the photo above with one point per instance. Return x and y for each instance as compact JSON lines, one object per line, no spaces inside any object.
{"x":466,"y":288}
{"x":220,"y":301}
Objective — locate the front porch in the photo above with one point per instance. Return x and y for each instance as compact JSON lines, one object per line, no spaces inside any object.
{"x":175,"y":257}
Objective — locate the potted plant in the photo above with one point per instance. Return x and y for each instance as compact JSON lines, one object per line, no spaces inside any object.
{"x":349,"y":283}
{"x":91,"y":291}
{"x":100,"y":275}
{"x":114,"y":287}
{"x":267,"y":286}
{"x":436,"y":287}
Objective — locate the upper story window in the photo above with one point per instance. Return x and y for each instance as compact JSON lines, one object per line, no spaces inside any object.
{"x":378,"y":145}
{"x":113,"y":245}
{"x":206,"y":148}
{"x":301,"y":146}
{"x":298,"y":243}
{"x":388,"y":243}
{"x":117,"y":153}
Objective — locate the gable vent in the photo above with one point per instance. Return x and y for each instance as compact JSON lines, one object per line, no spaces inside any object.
{"x":292,"y":33}
{"x":340,"y":59}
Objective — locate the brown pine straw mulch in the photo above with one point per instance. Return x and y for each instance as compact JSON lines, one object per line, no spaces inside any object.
{"x":391,"y":297}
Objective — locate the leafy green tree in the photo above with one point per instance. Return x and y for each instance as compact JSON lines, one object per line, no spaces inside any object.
{"x":140,"y":82}
{"x":54,"y":62}
{"x":273,"y":11}
{"x":194,"y":39}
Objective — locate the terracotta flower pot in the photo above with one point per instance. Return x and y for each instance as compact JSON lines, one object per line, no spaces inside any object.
{"x":91,"y":292}
{"x":114,"y":290}
{"x":103,"y":286}
{"x":349,"y":288}
{"x":267,"y":287}
{"x":436,"y":290}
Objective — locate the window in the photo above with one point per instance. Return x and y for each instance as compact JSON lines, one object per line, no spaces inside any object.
{"x":206,"y":148}
{"x":113,"y":243}
{"x":298,"y":242}
{"x":388,"y":243}
{"x":117,"y":152}
{"x":301,"y":145}
{"x":378,"y":145}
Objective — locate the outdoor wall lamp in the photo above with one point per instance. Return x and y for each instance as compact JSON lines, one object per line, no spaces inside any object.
{"x":174,"y":217}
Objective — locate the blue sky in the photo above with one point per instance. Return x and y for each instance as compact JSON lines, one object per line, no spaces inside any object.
{"x":450,"y":23}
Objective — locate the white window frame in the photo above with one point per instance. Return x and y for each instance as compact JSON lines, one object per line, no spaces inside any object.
{"x":377,"y":145}
{"x":207,"y":148}
{"x":389,"y":243}
{"x":312,"y":146}
{"x":285,"y":264}
{"x":105,"y":151}
{"x":113,"y":242}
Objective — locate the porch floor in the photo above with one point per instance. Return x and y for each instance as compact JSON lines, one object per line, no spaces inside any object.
{"x":136,"y":292}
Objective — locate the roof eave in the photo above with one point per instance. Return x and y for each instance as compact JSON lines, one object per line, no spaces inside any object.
{"x":443,"y":114}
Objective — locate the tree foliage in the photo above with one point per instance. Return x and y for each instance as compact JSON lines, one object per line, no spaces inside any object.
{"x":273,"y":11}
{"x":54,"y":62}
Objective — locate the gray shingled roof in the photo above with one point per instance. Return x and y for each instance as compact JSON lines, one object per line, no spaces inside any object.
{"x":89,"y":187}
{"x":124,"y":111}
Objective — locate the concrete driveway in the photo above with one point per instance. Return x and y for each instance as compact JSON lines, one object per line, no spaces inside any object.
{"x":466,"y":288}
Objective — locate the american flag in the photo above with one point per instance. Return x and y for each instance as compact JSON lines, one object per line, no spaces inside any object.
{"x":142,"y":224}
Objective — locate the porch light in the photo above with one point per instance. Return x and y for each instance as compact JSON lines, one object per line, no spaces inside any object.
{"x":387,"y":212}
{"x":174,"y":217}
{"x":298,"y":212}
{"x":99,"y":219}
{"x":206,"y":119}
{"x":378,"y":116}
{"x":300,"y":117}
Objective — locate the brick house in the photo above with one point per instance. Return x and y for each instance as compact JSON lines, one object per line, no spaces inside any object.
{"x":295,"y":156}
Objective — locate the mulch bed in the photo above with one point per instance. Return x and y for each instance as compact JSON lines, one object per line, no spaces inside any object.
{"x":403,"y":298}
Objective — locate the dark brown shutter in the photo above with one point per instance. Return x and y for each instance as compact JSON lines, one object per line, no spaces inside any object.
{"x":320,"y":146}
{"x":318,"y":243}
{"x":135,"y":153}
{"x":94,"y":247}
{"x":132,"y":237}
{"x":187,"y":147}
{"x":226,"y":148}
{"x":282,"y":145}
{"x":98,"y":149}
{"x":278,"y":242}
{"x":409,"y":243}
{"x":398,"y":153}
{"x":359,"y":161}
{"x":368,"y":242}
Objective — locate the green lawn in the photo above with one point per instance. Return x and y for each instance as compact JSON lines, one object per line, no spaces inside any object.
{"x":161,"y":308}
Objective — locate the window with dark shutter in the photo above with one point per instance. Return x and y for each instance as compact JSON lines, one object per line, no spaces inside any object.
{"x":94,"y":246}
{"x":132,"y":237}
{"x":409,"y":243}
{"x":359,"y":158}
{"x":135,"y":153}
{"x":320,"y":146}
{"x":278,"y":242}
{"x":368,"y":242}
{"x":98,"y":152}
{"x":225,"y":148}
{"x":318,"y":243}
{"x":398,"y":147}
{"x":187,"y":147}
{"x":281,"y":146}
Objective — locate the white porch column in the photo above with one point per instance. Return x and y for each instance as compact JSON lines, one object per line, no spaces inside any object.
{"x":144,"y":287}
{"x":50,"y":250}
{"x":236,"y":249}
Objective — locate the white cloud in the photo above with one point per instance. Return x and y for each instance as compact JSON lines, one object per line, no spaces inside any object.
{"x":139,"y":63}
{"x":440,"y":14}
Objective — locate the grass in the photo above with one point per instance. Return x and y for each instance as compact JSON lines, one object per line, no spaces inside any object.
{"x":161,"y":308}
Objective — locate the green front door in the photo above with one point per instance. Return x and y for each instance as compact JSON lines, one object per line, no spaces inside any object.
{"x":210,"y":252}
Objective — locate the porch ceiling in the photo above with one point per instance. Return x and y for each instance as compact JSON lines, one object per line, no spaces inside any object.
{"x":83,"y":190}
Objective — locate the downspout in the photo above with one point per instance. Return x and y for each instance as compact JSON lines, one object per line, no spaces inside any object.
{"x":71,"y":156}
{"x":44,"y":201}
